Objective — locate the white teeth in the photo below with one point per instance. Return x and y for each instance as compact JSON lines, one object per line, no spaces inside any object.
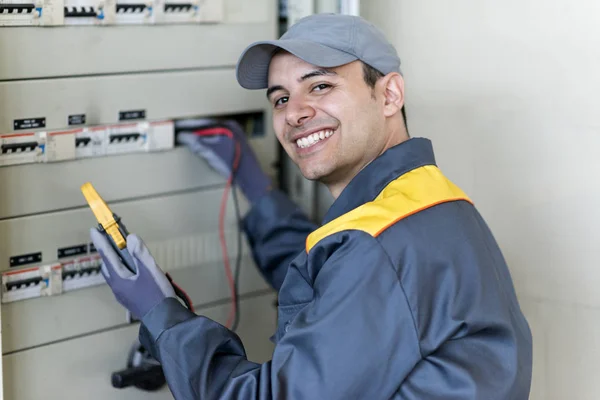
{"x":313,"y":138}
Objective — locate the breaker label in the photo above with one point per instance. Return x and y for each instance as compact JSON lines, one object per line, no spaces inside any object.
{"x":29,"y":123}
{"x":76,"y":119}
{"x":72,"y":251}
{"x":132,"y":114}
{"x":24,"y":259}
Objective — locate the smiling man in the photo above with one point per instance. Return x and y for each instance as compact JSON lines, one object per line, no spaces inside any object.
{"x":309,"y":105}
{"x":401,"y":293}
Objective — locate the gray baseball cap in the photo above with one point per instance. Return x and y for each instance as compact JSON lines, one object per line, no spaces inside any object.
{"x":324,"y":40}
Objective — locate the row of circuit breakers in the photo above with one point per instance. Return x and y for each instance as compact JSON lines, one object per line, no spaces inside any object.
{"x":108,"y":12}
{"x":81,"y":265}
{"x":94,"y":141}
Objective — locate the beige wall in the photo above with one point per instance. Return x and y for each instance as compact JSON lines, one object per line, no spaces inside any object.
{"x":508,"y":92}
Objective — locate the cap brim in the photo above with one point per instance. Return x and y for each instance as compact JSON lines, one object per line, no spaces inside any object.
{"x":252,"y":69}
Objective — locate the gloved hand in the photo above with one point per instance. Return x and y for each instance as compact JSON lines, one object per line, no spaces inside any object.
{"x":216,"y":143}
{"x":139,"y":292}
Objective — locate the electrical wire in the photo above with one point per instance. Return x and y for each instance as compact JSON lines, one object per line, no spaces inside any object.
{"x":233,"y":318}
{"x":238,"y":261}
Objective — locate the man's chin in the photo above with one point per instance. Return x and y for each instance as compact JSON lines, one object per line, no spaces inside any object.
{"x":315,"y":174}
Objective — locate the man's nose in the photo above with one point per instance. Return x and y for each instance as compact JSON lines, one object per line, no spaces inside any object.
{"x":299,"y":112}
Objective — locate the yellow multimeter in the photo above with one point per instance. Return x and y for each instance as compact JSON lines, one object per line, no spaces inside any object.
{"x":109,"y":224}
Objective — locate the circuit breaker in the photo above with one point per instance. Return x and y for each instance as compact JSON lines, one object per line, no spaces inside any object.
{"x":31,"y":13}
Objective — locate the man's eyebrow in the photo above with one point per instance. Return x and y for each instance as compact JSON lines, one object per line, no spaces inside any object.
{"x":273,"y":89}
{"x":311,"y":74}
{"x":317,"y":72}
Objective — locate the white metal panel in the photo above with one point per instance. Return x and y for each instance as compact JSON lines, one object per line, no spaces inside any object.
{"x":155,"y":219}
{"x":80,"y":368}
{"x":162,"y":95}
{"x":35,"y":188}
{"x":84,"y":50}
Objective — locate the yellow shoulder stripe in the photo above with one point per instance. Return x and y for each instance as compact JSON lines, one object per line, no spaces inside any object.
{"x":412,"y":192}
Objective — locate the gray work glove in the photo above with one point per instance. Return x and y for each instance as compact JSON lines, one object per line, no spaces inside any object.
{"x":139,"y":292}
{"x":216,"y":143}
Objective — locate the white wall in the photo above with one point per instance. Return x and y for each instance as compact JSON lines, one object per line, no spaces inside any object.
{"x":508,"y":92}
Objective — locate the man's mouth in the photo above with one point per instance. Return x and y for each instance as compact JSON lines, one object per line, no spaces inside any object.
{"x":314,"y":138}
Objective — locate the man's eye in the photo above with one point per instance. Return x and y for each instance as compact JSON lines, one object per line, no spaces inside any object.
{"x":322,"y":86}
{"x":281,"y":101}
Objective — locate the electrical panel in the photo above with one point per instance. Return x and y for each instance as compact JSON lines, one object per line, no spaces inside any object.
{"x":90,"y":91}
{"x":108,"y":12}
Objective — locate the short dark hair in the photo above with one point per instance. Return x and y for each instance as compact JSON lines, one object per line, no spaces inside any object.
{"x":371,"y":76}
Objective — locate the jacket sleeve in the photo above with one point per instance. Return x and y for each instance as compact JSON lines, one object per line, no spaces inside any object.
{"x":355,"y":339}
{"x":276,"y":229}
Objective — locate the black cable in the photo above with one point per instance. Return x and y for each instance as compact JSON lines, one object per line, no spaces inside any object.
{"x":238,"y":261}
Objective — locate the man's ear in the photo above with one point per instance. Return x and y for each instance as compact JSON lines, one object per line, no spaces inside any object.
{"x":392,"y":87}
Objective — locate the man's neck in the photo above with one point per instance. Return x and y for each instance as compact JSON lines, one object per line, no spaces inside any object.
{"x":336,"y":187}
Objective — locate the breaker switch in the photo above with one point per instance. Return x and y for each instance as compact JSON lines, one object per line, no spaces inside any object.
{"x":17,"y":8}
{"x":130,"y":8}
{"x":19,"y":147}
{"x":80,"y":12}
{"x":124,"y":137}
{"x":82,"y":141}
{"x":178,"y":7}
{"x":24,"y":283}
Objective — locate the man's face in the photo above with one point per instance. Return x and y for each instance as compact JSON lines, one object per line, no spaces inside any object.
{"x":327,"y":120}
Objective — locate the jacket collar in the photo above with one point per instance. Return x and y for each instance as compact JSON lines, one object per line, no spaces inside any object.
{"x":372,"y":179}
